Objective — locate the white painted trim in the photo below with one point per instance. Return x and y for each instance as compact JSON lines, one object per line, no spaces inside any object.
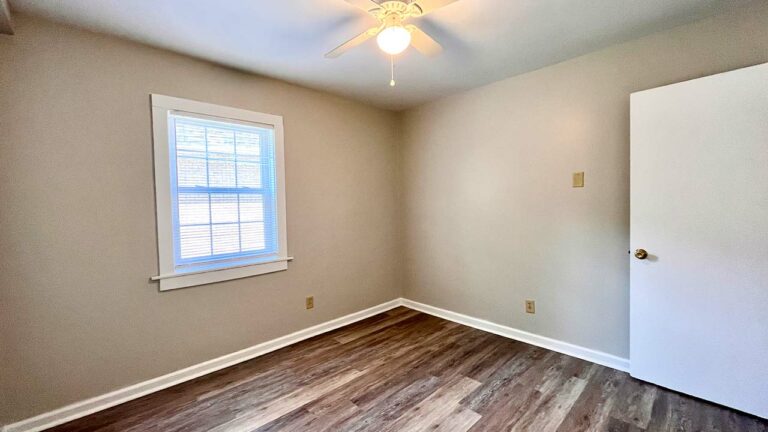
{"x":99,"y":403}
{"x":184,"y":280}
{"x":566,"y":348}
{"x":176,"y":275}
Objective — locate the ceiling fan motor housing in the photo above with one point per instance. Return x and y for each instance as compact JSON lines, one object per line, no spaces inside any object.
{"x":395,"y":11}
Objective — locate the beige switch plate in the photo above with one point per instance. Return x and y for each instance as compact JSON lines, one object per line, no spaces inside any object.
{"x":578,"y":179}
{"x":310,"y":302}
{"x":530,"y":306}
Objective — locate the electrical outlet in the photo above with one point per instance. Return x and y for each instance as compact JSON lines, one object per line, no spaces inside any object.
{"x":530,"y":306}
{"x":310,"y":302}
{"x":578,"y":179}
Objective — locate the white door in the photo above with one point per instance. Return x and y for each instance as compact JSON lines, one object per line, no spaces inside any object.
{"x":699,"y":207}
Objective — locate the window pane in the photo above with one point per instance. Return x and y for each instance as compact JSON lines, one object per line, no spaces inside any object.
{"x":251,"y":208}
{"x":248,"y":145}
{"x":226,"y":239}
{"x":194,"y":241}
{"x":190,"y":137}
{"x":191,"y":172}
{"x":221,"y":173}
{"x":224,"y":208}
{"x":248,"y":174}
{"x":193,"y":209}
{"x":252,"y":236}
{"x":221,"y":142}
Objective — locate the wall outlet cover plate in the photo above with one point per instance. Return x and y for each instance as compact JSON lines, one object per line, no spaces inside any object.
{"x":578,"y":179}
{"x":530,"y":306}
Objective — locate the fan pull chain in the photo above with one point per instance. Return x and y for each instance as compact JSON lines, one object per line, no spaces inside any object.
{"x":392,"y":70}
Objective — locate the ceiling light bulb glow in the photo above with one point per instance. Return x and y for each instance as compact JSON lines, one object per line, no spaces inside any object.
{"x":394,"y":40}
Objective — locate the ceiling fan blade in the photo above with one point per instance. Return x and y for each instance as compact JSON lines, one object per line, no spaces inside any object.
{"x":423,"y":42}
{"x":366,"y":5}
{"x":355,"y":41}
{"x":428,"y":6}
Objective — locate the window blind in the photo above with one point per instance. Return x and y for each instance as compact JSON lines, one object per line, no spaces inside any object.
{"x":223,"y":192}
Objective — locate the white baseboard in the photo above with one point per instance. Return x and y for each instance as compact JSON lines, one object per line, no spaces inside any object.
{"x":572,"y":350}
{"x":98,"y":403}
{"x":108,"y":400}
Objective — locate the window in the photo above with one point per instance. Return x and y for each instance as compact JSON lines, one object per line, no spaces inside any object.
{"x":220,"y":192}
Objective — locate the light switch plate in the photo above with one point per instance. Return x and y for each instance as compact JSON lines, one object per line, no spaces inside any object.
{"x":578,"y":179}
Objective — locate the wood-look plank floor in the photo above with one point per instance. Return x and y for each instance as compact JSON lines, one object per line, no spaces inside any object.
{"x":406,"y":371}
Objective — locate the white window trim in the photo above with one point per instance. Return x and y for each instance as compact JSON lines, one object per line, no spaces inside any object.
{"x":168,"y":277}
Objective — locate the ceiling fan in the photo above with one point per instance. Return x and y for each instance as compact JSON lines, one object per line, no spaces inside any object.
{"x":392,"y":35}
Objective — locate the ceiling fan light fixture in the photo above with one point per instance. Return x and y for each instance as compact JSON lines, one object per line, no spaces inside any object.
{"x":394,"y":40}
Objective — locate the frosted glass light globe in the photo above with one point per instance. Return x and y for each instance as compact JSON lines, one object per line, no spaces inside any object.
{"x":394,"y":40}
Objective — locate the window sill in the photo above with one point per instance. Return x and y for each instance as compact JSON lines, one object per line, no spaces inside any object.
{"x":184,"y":280}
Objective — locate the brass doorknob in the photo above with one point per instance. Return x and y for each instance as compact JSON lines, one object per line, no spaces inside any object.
{"x":641,"y":254}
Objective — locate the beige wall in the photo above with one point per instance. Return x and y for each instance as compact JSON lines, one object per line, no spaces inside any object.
{"x":79,"y":316}
{"x":490,"y":216}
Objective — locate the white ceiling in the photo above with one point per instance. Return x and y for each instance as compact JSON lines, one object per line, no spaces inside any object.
{"x":484,"y":40}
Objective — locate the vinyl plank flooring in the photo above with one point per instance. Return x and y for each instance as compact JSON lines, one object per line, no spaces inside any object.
{"x":393,"y":406}
{"x":434,"y":407}
{"x":635,"y":402}
{"x":252,"y":419}
{"x":483,"y":399}
{"x":368,"y":329}
{"x":592,"y":410}
{"x":554,"y":408}
{"x":407,"y":371}
{"x":615,"y":425}
{"x":512,"y":401}
{"x":460,"y":420}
